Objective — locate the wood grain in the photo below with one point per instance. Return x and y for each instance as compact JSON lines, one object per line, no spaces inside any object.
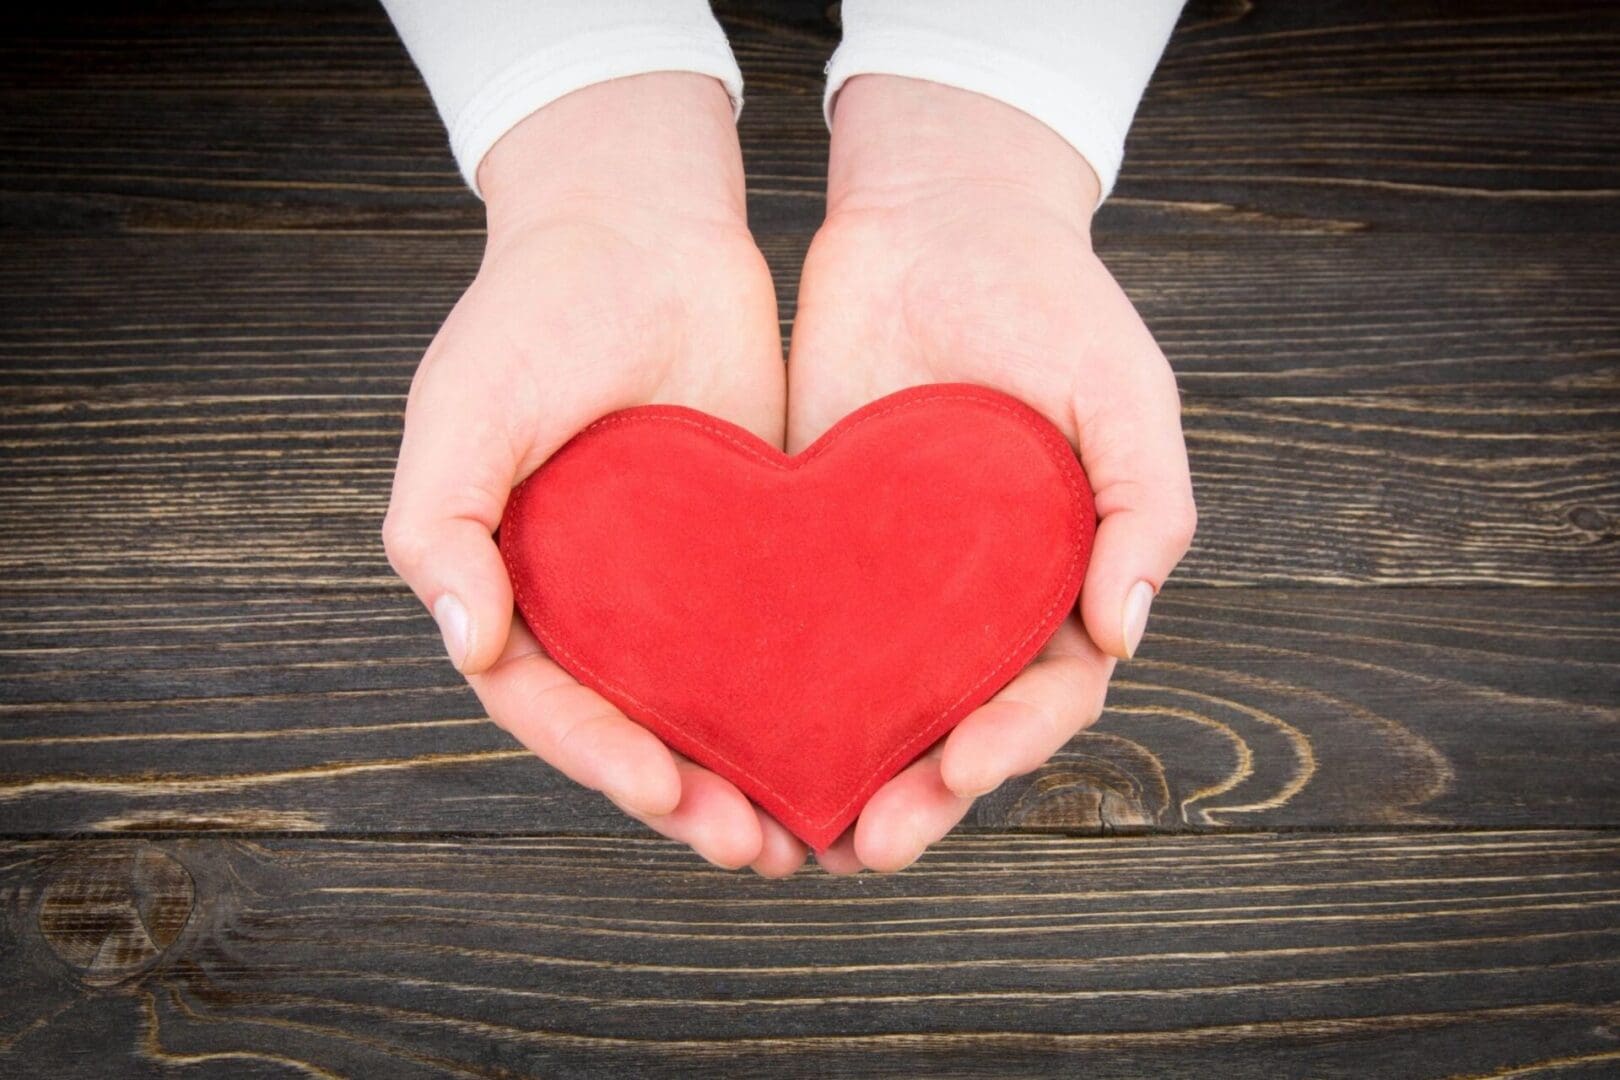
{"x":1277,"y":116}
{"x":170,"y":709}
{"x":288,"y":490}
{"x":251,"y":821}
{"x":1252,"y":316}
{"x":1417,"y":48}
{"x":199,"y":431}
{"x":1427,"y":955}
{"x":143,"y":379}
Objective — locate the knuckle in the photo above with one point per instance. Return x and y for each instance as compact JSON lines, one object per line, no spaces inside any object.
{"x":571,"y":718}
{"x":574,"y":734}
{"x":1092,"y":712}
{"x":1054,"y":731}
{"x":1057,"y":706}
{"x":1079,"y":696}
{"x":404,"y":544}
{"x":1186,"y":522}
{"x":1087,"y":689}
{"x":1183,"y":522}
{"x":1166,"y":390}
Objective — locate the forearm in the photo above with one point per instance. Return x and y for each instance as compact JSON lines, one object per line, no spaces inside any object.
{"x":1078,"y":66}
{"x":661,"y":145}
{"x":901,"y":140}
{"x":491,"y":63}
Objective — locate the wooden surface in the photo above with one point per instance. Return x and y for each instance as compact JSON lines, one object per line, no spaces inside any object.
{"x":252,"y":824}
{"x":1339,"y":956}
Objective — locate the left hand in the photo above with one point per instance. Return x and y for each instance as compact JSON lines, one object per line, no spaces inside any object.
{"x":618,"y":271}
{"x":957,"y":248}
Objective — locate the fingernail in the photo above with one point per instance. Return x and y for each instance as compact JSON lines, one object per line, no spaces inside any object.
{"x":456,"y":627}
{"x":627,"y":807}
{"x":632,"y":800}
{"x":977,"y":792}
{"x":915,"y":851}
{"x":1137,"y":602}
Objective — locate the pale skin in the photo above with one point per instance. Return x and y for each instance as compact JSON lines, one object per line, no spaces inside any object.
{"x":619,"y":271}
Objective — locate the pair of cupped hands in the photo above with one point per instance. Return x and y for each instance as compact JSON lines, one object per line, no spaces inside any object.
{"x":620,"y":271}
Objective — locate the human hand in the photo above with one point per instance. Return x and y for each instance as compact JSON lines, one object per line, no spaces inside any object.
{"x":957,"y":248}
{"x":618,"y":271}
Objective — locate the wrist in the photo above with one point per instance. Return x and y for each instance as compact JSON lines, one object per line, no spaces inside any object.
{"x":660,"y":146}
{"x":899,"y":141}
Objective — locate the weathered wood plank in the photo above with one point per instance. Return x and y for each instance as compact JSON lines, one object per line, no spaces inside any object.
{"x":1271,"y":116}
{"x":204,"y":485}
{"x":1329,"y":439}
{"x":243,"y":163}
{"x":332,"y":708}
{"x":1270,"y":48}
{"x":1379,"y":245}
{"x":1429,"y":955}
{"x":1252,"y":316}
{"x":1415,"y":48}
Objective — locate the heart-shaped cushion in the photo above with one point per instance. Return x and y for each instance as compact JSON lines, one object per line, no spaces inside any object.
{"x":804,"y":626}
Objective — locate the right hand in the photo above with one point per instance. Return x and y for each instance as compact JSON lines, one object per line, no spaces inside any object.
{"x":618,"y":271}
{"x":957,"y":248}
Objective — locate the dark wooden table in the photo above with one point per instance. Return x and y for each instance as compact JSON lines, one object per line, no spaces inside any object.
{"x":1353,"y":811}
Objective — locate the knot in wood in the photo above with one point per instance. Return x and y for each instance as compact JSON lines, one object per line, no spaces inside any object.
{"x":1102,"y":799}
{"x":109,"y":913}
{"x":1098,"y":783}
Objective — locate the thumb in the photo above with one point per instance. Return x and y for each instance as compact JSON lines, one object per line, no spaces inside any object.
{"x":1136,"y":460}
{"x":450,"y":489}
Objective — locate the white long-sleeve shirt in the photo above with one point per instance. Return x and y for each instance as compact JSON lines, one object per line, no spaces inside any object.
{"x":1078,"y":66}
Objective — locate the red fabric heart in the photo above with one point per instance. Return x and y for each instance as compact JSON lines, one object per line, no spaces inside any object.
{"x":804,"y":626}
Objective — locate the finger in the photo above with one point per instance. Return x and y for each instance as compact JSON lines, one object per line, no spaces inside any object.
{"x":713,"y":818}
{"x":840,"y":859}
{"x":575,"y":729}
{"x":780,"y":853}
{"x":454,"y":474}
{"x":1029,"y":719}
{"x":1136,"y":460}
{"x":907,"y":814}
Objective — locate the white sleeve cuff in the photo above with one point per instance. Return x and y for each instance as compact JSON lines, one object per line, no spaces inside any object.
{"x":1079,"y":67}
{"x":541,"y":78}
{"x":491,"y":63}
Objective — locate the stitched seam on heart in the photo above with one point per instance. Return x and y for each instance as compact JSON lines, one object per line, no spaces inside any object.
{"x":818,"y":448}
{"x":912,"y":743}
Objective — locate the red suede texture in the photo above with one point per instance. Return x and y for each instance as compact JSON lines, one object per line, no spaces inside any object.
{"x":804,"y":626}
